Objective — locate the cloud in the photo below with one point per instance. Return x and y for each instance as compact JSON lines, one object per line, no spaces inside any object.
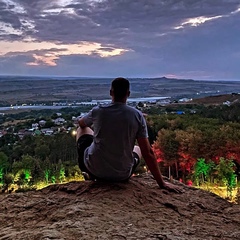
{"x":165,"y":36}
{"x":48,"y":53}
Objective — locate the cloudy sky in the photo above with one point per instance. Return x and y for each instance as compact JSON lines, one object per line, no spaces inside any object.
{"x":131,"y":38}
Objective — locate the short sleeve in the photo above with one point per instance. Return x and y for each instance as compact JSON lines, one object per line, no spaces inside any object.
{"x":142,"y":129}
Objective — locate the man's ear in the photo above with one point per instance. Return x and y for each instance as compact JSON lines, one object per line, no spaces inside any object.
{"x":128,"y":93}
{"x":111,"y":92}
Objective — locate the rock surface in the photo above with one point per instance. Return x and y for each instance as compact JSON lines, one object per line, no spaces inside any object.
{"x":115,"y":211}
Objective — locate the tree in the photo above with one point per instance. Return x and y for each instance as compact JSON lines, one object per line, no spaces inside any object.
{"x":226,"y":174}
{"x":202,"y":171}
{"x":62,"y":174}
{"x":42,"y":151}
{"x":4,"y":165}
{"x":168,"y":148}
{"x":23,"y":178}
{"x":188,"y":150}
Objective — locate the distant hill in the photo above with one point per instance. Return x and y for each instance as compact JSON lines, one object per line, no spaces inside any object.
{"x":29,"y":90}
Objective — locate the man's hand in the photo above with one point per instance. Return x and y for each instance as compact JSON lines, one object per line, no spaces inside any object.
{"x":171,"y":187}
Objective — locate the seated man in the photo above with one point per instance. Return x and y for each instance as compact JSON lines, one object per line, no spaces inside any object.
{"x":109,"y":152}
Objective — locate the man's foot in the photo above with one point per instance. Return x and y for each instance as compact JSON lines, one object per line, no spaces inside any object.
{"x":87,"y":177}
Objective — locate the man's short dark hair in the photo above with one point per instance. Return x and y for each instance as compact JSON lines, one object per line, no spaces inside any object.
{"x":120,"y":87}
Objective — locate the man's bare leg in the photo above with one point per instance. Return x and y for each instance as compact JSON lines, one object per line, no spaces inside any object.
{"x":83,"y":131}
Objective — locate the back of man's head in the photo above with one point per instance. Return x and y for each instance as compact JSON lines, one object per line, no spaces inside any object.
{"x":120,"y":87}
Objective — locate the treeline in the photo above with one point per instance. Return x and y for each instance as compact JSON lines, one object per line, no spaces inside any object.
{"x":197,"y":145}
{"x":37,"y":159}
{"x":36,"y":115}
{"x":179,"y":142}
{"x":223,"y":113}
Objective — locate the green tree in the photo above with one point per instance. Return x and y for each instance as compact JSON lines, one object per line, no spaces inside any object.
{"x":202,"y":171}
{"x":168,"y":145}
{"x":23,"y":178}
{"x":62,"y":174}
{"x":42,"y":151}
{"x":4,"y":165}
{"x":226,"y":174}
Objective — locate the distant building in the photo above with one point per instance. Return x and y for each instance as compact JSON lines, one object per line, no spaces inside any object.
{"x":47,"y":131}
{"x":185,"y":100}
{"x":164,"y":102}
{"x":24,"y":132}
{"x":227,"y":103}
{"x":42,"y":123}
{"x":35,"y":125}
{"x":59,"y":121}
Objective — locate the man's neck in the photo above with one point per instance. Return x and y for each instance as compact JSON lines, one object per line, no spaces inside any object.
{"x":119,"y":101}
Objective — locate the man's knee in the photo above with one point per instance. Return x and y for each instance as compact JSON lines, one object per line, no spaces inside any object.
{"x":83,"y":131}
{"x":137,"y":150}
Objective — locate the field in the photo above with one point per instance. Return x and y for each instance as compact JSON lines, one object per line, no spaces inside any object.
{"x":19,"y":90}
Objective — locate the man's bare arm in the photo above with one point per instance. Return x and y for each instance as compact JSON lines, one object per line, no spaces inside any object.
{"x":81,"y":123}
{"x":150,"y":160}
{"x":152,"y":164}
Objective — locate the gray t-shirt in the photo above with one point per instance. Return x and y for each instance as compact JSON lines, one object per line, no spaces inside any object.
{"x":116,"y":127}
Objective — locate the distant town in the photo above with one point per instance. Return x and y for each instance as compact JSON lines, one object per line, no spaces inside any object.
{"x":56,"y":123}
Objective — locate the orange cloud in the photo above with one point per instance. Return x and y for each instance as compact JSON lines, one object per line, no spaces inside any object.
{"x":47,"y":53}
{"x":43,"y":60}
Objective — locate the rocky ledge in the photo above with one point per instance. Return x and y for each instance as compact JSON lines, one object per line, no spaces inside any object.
{"x":114,"y":211}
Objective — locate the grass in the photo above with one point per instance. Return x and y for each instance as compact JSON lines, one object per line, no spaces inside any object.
{"x":221,"y":191}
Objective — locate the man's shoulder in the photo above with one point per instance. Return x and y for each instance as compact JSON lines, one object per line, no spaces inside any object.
{"x":135,"y":110}
{"x":123,"y":107}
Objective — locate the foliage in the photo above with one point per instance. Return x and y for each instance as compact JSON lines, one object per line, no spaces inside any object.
{"x":7,"y":181}
{"x":226,"y":174}
{"x":202,"y":171}
{"x":190,"y":144}
{"x":62,"y":174}
{"x":22,"y":178}
{"x":4,"y":165}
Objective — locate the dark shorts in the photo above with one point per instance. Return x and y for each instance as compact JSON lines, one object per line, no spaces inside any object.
{"x":84,"y":142}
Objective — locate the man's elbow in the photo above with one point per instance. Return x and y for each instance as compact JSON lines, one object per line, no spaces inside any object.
{"x":81,"y":123}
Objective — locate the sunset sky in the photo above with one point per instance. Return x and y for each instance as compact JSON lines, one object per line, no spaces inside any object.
{"x":130,"y":38}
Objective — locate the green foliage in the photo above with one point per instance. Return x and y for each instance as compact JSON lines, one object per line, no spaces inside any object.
{"x":53,"y":179}
{"x":191,"y":143}
{"x":73,"y":172}
{"x":27,"y":163}
{"x":226,"y":174}
{"x":4,"y":165}
{"x":202,"y":171}
{"x":46,"y":175}
{"x":7,"y":181}
{"x":62,"y":174}
{"x":23,"y":177}
{"x":1,"y":175}
{"x":42,"y":151}
{"x":169,"y":145}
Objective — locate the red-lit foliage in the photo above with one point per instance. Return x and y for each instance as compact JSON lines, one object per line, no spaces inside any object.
{"x":158,"y":153}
